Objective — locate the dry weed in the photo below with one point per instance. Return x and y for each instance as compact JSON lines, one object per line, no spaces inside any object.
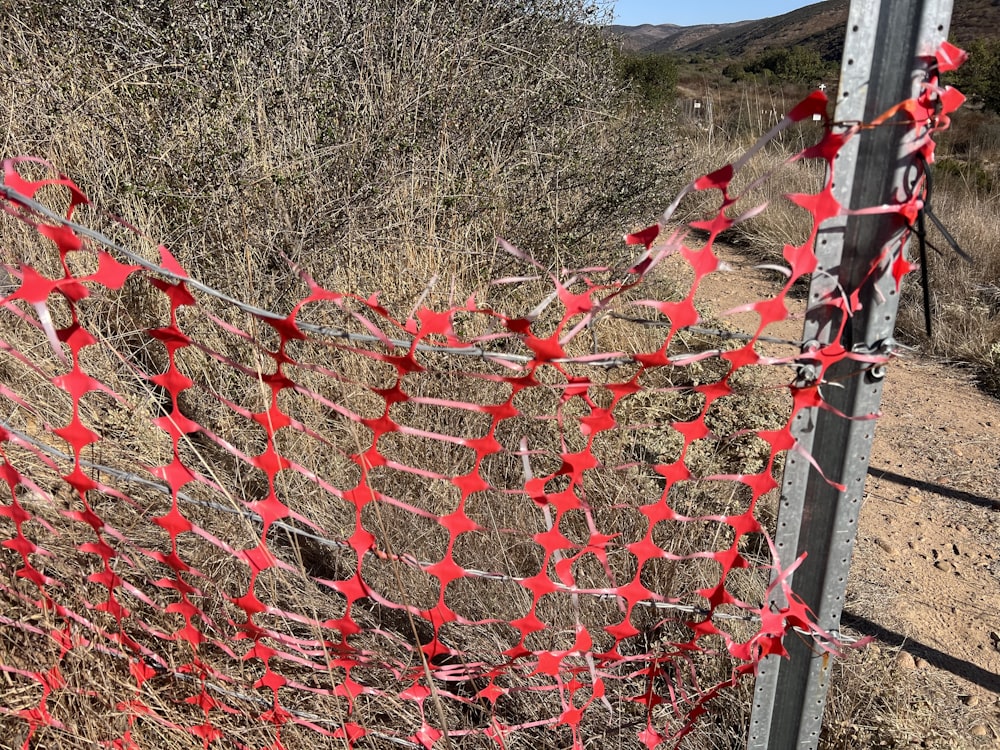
{"x":248,"y":142}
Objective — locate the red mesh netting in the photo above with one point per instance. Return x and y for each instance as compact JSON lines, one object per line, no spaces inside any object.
{"x":458,"y":525}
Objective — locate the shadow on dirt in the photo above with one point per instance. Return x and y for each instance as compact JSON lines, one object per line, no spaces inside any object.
{"x":938,"y":489}
{"x":937,"y":658}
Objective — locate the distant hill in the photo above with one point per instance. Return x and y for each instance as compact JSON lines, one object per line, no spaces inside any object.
{"x":667,"y":36}
{"x":819,"y":26}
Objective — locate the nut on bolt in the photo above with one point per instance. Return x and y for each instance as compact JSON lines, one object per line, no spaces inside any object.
{"x":809,"y":371}
{"x":887,"y":349}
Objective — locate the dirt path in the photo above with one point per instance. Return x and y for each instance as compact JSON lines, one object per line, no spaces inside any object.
{"x":926,"y":573}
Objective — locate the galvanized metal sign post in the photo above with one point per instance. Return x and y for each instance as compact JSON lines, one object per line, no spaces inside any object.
{"x":887,"y":47}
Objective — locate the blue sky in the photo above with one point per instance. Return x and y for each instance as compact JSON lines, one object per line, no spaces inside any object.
{"x":686,"y":13}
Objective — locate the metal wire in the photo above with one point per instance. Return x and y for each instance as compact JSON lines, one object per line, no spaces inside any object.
{"x":612,"y":360}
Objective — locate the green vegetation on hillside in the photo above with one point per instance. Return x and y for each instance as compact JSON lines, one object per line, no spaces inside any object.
{"x":653,"y":77}
{"x":801,"y":65}
{"x":979,"y":78}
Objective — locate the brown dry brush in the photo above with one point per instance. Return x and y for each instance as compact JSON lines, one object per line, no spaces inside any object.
{"x":380,"y":144}
{"x":232,"y":384}
{"x":320,"y":556}
{"x":379,"y":147}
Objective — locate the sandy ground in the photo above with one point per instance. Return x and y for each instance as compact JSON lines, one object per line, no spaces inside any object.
{"x":926,"y":574}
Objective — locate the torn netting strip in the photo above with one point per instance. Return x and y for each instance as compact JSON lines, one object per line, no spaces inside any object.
{"x":462,"y":524}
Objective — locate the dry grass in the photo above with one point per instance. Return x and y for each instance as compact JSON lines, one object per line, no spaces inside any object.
{"x":385,"y":160}
{"x":965,"y":298}
{"x":378,"y":167}
{"x":403,"y":521}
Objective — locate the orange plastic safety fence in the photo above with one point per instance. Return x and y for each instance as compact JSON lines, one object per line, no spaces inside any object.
{"x":460,"y":526}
